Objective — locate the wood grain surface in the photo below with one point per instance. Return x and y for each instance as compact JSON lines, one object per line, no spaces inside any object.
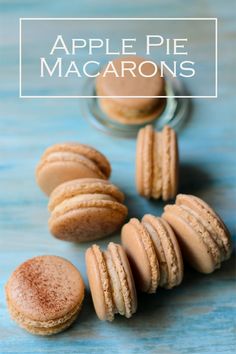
{"x":200,"y":315}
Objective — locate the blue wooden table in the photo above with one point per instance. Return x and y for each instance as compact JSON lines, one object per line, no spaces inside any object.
{"x":200,"y":315}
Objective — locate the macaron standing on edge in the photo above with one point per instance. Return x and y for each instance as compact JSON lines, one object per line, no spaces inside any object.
{"x":153,"y":252}
{"x":45,"y":294}
{"x":202,"y":235}
{"x":111,"y":282}
{"x":86,"y":209}
{"x":68,"y":161}
{"x":157,"y":163}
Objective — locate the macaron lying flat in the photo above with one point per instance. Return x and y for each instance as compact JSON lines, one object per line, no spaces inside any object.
{"x":65,"y":162}
{"x":157,"y":163}
{"x":86,"y":209}
{"x":153,"y":252}
{"x":111,"y":282}
{"x":44,"y":294}
{"x":126,"y":109}
{"x":202,"y":235}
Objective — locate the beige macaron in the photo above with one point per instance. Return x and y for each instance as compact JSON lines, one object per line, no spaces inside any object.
{"x":45,"y":294}
{"x":157,"y":163}
{"x":128,"y":109}
{"x":202,"y":235}
{"x":111,"y":282}
{"x":153,"y":252}
{"x":68,"y":161}
{"x":86,"y":209}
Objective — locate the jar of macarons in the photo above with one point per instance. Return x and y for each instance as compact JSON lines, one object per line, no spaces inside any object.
{"x":45,"y":294}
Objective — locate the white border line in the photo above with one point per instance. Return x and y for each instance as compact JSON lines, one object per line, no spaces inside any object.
{"x":216,"y":57}
{"x":20,"y":92}
{"x":21,"y":19}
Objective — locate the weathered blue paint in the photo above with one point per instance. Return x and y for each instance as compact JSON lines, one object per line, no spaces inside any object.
{"x":199,"y":316}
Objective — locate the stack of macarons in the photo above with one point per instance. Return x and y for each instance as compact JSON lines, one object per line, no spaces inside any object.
{"x":84,"y":205}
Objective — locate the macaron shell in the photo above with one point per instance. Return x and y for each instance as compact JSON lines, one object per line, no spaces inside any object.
{"x":166,"y":163}
{"x":194,"y":248}
{"x":167,"y":249}
{"x":99,"y":283}
{"x":129,"y":85}
{"x":125,"y":276}
{"x":157,"y":166}
{"x":81,"y":149}
{"x":174,"y":164}
{"x":144,"y":164}
{"x":130,"y":281}
{"x":211,"y":221}
{"x":83,"y":186}
{"x":147,"y":160}
{"x":44,"y":289}
{"x":176,"y":274}
{"x":139,"y":162}
{"x":59,"y":169}
{"x":88,"y":221}
{"x":171,"y":266}
{"x":141,"y":254}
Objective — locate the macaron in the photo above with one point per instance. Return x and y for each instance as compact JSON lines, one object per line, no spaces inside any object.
{"x":86,"y":209}
{"x":68,"y":161}
{"x":202,"y":235}
{"x":157,"y":163}
{"x":153,"y":252}
{"x":111,"y":282}
{"x":114,"y":81}
{"x":45,"y":294}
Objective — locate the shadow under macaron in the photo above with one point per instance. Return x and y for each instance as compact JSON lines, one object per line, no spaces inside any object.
{"x":193,"y":179}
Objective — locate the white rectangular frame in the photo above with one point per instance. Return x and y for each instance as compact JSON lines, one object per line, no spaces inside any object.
{"x":21,"y":19}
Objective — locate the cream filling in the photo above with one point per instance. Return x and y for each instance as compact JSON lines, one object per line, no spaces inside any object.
{"x":72,"y":203}
{"x":62,"y":156}
{"x":115,"y":284}
{"x":125,"y":290}
{"x":160,"y":253}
